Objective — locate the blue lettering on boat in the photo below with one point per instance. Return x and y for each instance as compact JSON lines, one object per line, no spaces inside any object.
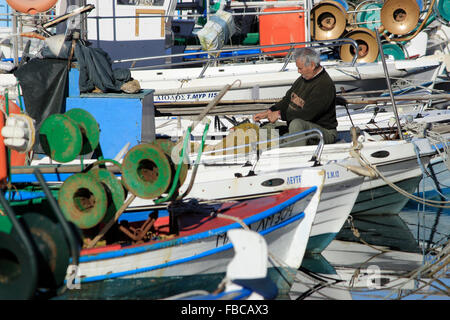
{"x":332,"y":174}
{"x":276,"y":219}
{"x":264,"y":224}
{"x":294,"y":179}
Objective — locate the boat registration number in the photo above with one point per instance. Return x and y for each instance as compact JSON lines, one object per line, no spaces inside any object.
{"x":332,"y":174}
{"x":185,"y":97}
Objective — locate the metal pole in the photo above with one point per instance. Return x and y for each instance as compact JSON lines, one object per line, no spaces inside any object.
{"x":83,"y":26}
{"x":307,"y":19}
{"x":386,"y":73}
{"x":15,"y":38}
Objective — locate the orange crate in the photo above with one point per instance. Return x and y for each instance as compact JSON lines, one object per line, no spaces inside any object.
{"x":281,"y":28}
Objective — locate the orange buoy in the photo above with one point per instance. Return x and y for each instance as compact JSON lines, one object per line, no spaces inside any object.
{"x":3,"y":166}
{"x":31,"y":6}
{"x":17,"y":158}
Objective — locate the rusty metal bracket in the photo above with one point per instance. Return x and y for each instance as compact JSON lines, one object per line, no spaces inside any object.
{"x":140,"y":234}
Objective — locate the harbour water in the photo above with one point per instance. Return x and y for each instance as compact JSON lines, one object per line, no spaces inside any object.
{"x":382,"y":257}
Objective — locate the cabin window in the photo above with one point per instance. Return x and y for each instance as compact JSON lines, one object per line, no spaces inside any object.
{"x":141,"y":2}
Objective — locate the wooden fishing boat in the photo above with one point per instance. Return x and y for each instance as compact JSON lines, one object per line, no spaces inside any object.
{"x":397,"y":160}
{"x":197,"y":255}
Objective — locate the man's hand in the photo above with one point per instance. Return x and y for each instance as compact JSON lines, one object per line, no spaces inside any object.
{"x":273,"y":116}
{"x":261,"y":115}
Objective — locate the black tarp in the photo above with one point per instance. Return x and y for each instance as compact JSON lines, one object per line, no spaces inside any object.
{"x":44,"y":84}
{"x":95,"y":66}
{"x":96,"y":71}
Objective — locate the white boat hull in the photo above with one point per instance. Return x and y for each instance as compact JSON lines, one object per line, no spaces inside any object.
{"x":265,"y":81}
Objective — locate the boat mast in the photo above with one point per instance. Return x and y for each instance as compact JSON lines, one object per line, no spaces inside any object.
{"x":388,"y":81}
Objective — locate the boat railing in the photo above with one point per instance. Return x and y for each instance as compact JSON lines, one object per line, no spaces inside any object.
{"x":304,"y":135}
{"x":213,"y":56}
{"x":268,"y":144}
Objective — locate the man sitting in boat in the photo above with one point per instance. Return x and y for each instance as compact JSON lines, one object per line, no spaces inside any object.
{"x":309,"y":103}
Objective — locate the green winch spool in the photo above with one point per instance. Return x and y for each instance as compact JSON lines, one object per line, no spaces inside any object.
{"x":167,"y":146}
{"x":53,"y":250}
{"x":83,"y":200}
{"x":369,"y":18}
{"x":16,"y":281}
{"x":89,"y":128}
{"x":63,"y":137}
{"x":394,"y":50}
{"x":5,"y":223}
{"x":115,"y":190}
{"x":60,"y":138}
{"x":443,"y":9}
{"x":52,"y":253}
{"x":146,"y":171}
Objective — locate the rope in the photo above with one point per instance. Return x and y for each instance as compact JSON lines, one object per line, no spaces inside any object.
{"x":323,"y":283}
{"x":432,"y":203}
{"x":177,"y":173}
{"x":430,"y":270}
{"x":197,"y":162}
{"x":441,"y":257}
{"x":235,"y":219}
{"x":358,"y":235}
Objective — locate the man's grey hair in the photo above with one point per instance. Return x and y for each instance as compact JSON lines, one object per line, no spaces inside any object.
{"x":307,"y":55}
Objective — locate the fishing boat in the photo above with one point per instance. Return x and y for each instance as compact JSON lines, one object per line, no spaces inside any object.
{"x":197,"y":255}
{"x":379,"y":124}
{"x":195,"y":237}
{"x":241,"y":282}
{"x":270,"y":81}
{"x":396,"y":161}
{"x":192,"y":193}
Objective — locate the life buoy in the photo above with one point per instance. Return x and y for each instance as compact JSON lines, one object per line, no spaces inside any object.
{"x":31,"y":6}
